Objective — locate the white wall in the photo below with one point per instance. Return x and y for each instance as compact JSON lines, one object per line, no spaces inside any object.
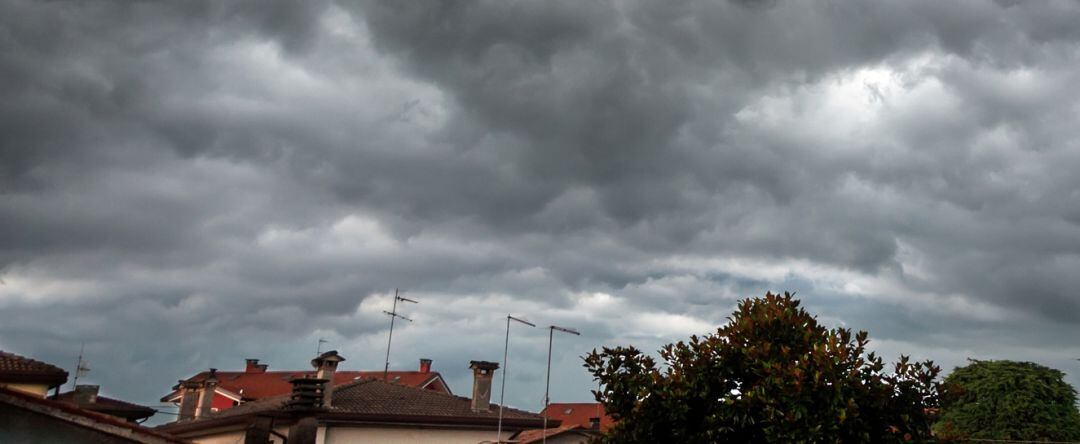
{"x":235,"y":437}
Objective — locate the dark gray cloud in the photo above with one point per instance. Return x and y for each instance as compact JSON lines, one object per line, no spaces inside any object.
{"x":183,"y":185}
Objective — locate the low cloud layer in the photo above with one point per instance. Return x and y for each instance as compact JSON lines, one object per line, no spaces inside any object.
{"x":187,"y":184}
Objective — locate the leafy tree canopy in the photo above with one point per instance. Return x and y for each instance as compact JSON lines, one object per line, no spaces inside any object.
{"x":771,"y":374}
{"x":1008,"y":400}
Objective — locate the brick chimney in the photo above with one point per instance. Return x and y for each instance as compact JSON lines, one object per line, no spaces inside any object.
{"x":483,"y":373}
{"x":253,"y":366}
{"x":326,"y":365}
{"x":206,"y":395}
{"x":189,"y":399}
{"x":85,"y":394}
{"x":425,"y":365}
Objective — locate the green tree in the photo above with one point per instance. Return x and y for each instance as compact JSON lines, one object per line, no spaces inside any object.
{"x":1008,"y":400}
{"x":771,"y":374}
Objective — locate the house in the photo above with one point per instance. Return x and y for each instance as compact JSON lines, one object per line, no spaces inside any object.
{"x":256,"y":382}
{"x":29,"y":418}
{"x":358,"y":410}
{"x":579,"y":422}
{"x":28,"y":375}
{"x":86,"y":397}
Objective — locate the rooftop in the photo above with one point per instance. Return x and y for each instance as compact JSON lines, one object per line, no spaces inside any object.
{"x":374,"y":400}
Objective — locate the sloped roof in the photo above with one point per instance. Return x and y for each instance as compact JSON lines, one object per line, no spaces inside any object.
{"x":537,"y":435}
{"x":377,"y":397}
{"x":375,"y":400}
{"x":17,"y":368}
{"x":252,"y":385}
{"x":97,"y":421}
{"x":578,"y":413}
{"x":109,"y":406}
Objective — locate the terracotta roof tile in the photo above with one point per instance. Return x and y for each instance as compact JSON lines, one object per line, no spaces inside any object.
{"x":10,"y":362}
{"x":15,"y":367}
{"x":537,"y":435}
{"x":377,"y":397}
{"x":578,"y":413}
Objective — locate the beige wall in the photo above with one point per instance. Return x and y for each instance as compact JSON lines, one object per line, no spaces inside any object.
{"x":33,"y":389}
{"x":388,"y":435}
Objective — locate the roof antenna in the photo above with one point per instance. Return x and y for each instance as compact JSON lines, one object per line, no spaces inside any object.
{"x":318,"y":350}
{"x":81,"y":367}
{"x":394,"y":315}
{"x":547,"y":385}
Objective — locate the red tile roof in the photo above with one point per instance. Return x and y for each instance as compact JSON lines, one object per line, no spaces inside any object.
{"x":15,"y":368}
{"x":252,"y":386}
{"x":578,"y":413}
{"x":537,"y":435}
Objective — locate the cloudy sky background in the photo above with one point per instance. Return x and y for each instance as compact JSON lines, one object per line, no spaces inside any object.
{"x":187,"y":184}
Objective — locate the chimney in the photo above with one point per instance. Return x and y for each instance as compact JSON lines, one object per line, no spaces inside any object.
{"x":206,"y":395}
{"x":326,"y":364}
{"x":258,"y":432}
{"x":85,"y":394}
{"x":253,"y":366}
{"x":483,"y":372}
{"x":425,"y":365}
{"x":307,"y":393}
{"x":189,"y":399}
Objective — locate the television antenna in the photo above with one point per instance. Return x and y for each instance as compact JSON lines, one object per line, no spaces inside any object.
{"x":506,"y":349}
{"x":81,"y":366}
{"x":393,"y":316}
{"x":547,"y":385}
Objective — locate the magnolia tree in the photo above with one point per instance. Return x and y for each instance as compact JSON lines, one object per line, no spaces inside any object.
{"x":772,"y":374}
{"x":1007,"y":400}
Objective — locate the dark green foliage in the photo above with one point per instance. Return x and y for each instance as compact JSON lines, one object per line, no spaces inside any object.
{"x":1008,"y":400}
{"x":771,"y":375}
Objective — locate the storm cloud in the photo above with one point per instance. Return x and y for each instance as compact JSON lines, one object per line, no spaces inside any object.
{"x":187,"y":184}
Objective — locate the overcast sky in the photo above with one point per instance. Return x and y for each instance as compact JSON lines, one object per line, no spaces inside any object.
{"x":187,"y":184}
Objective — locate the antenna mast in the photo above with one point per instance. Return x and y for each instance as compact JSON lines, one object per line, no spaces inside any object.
{"x":394,"y":315}
{"x":80,"y":367}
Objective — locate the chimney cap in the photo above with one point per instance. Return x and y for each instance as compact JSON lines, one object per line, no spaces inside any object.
{"x":330,"y":356}
{"x":483,"y":365}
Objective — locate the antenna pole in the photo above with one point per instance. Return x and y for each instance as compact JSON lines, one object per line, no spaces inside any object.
{"x":393,"y":311}
{"x":78,"y":366}
{"x":547,"y":385}
{"x":506,"y":349}
{"x":393,"y":315}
